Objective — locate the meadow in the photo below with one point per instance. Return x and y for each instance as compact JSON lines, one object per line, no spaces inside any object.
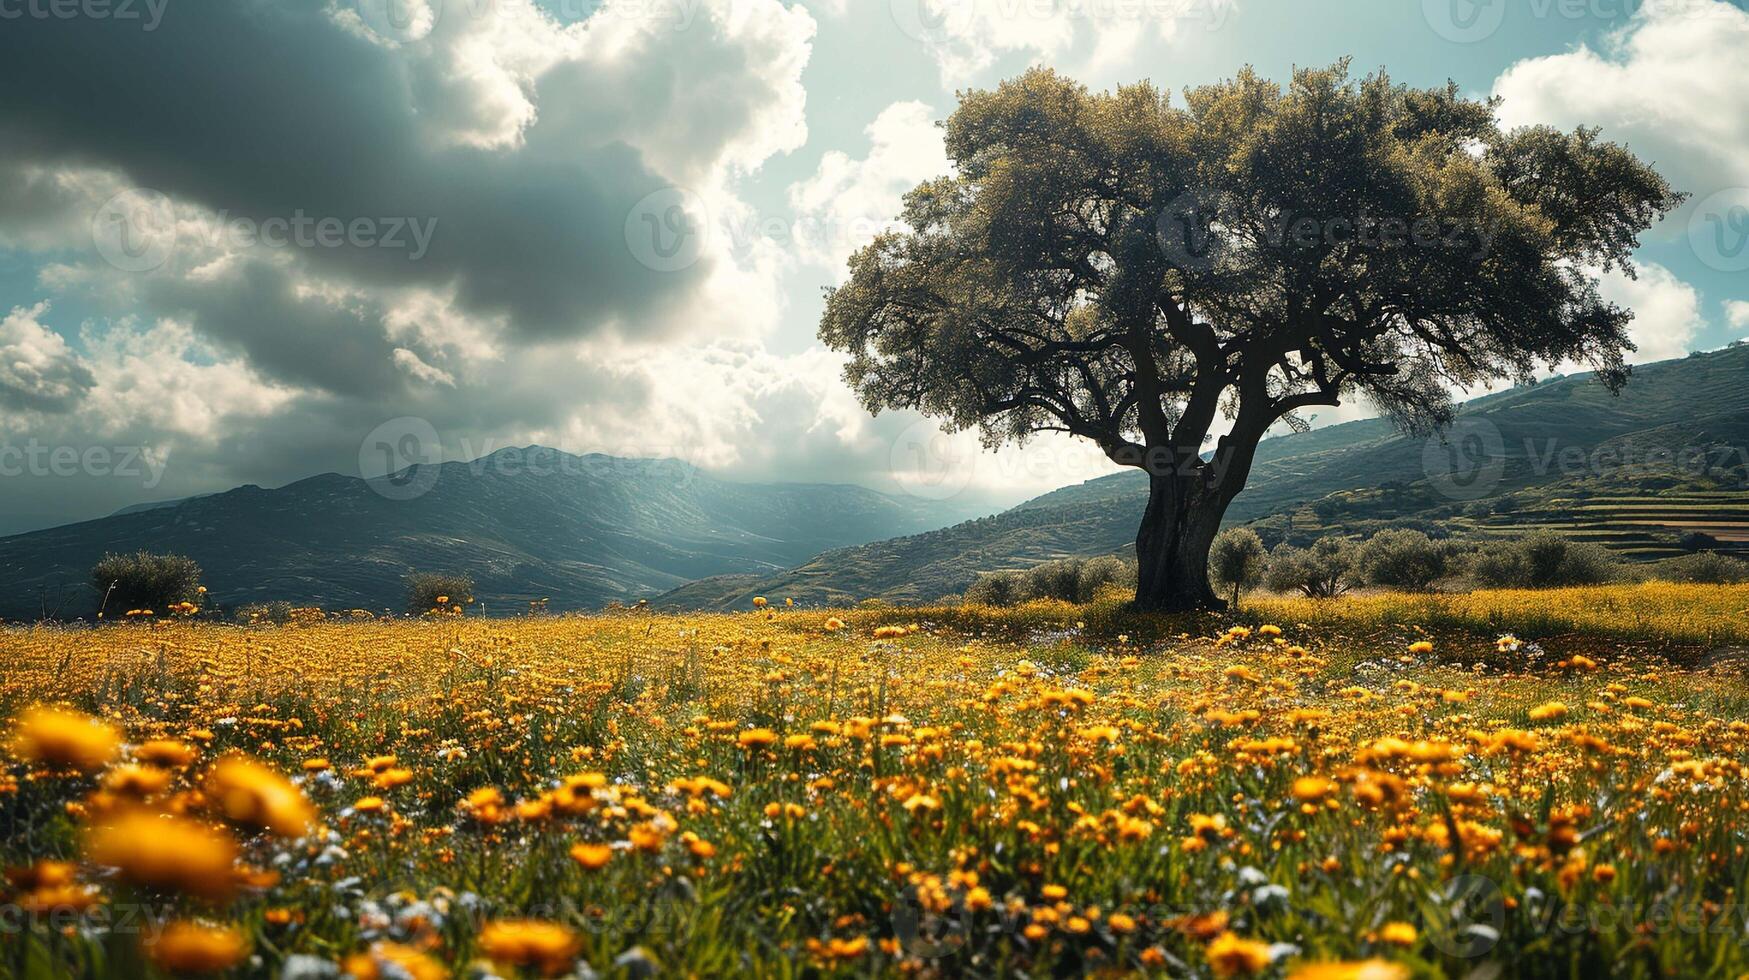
{"x":1374,"y":787}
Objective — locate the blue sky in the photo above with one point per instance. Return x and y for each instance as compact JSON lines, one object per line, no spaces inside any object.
{"x":482,"y":182}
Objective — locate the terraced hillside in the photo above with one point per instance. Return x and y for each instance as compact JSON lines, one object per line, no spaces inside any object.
{"x":1637,"y":472}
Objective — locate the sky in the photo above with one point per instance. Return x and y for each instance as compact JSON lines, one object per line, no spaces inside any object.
{"x":252,"y":241}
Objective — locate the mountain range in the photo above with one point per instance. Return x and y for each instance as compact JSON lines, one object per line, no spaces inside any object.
{"x":580,"y":530}
{"x":1564,"y":454}
{"x":1660,"y":468}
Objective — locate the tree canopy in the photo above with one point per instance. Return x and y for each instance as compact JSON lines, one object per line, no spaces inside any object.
{"x":1144,"y":274}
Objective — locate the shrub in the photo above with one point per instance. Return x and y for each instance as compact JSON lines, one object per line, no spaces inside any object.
{"x":1703,"y":568}
{"x":1401,"y":560}
{"x":1498,"y":565}
{"x":1236,"y":560}
{"x":1544,"y":560}
{"x":1099,"y":573}
{"x":995,"y":589}
{"x":431,"y":590}
{"x":1324,"y":570}
{"x":277,"y":613}
{"x":1057,"y":579}
{"x":144,"y":581}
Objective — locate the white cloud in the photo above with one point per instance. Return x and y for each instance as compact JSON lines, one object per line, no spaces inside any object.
{"x":846,"y":201}
{"x":1667,"y":314}
{"x":38,"y":371}
{"x":1737,"y":313}
{"x":965,"y":37}
{"x":1668,"y":84}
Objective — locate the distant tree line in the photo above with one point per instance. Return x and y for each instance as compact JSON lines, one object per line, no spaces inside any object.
{"x":1404,"y":560}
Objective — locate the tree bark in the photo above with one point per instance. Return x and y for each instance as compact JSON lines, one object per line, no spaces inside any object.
{"x":1172,"y":546}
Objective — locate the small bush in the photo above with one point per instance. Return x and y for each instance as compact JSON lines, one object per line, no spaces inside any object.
{"x":1237,"y":560}
{"x":1103,"y":573}
{"x":1703,"y":568}
{"x":1324,"y":570}
{"x":427,"y":591}
{"x":1058,"y":579}
{"x":144,"y":581}
{"x":1401,"y":560}
{"x":1543,"y":560}
{"x":276,"y":613}
{"x":999,"y":589}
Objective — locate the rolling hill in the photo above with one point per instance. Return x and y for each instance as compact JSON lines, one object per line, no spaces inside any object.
{"x":1667,"y":457}
{"x":582,"y":530}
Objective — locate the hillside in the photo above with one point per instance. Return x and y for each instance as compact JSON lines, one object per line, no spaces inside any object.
{"x":1670,"y":455}
{"x":582,"y":530}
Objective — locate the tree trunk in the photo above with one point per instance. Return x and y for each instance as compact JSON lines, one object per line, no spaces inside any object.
{"x":1172,"y":545}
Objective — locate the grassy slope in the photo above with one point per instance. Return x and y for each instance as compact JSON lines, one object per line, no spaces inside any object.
{"x":1355,"y":478}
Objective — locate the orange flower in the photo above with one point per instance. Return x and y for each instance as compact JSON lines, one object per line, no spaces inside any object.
{"x":1230,"y":955}
{"x":170,"y":853}
{"x":1374,"y":969}
{"x":756,"y":738}
{"x":1398,"y":934}
{"x":65,"y":739}
{"x":166,"y":752}
{"x":545,"y":946}
{"x":255,"y":796}
{"x":392,"y":961}
{"x":190,"y":947}
{"x":593,"y":857}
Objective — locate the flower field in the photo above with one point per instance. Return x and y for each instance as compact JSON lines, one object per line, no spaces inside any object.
{"x":1043,"y":791}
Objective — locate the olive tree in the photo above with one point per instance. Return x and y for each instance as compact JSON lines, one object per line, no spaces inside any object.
{"x":1173,"y":280}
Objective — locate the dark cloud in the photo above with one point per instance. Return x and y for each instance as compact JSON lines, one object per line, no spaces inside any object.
{"x":264,"y":109}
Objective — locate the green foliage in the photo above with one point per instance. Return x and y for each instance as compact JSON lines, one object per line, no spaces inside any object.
{"x":1268,"y":249}
{"x":275,"y":613}
{"x":1106,"y":571}
{"x":144,"y":581}
{"x":1236,"y":560}
{"x":1401,"y":559}
{"x":1543,"y":560}
{"x":1324,"y":570}
{"x":998,"y":589}
{"x":1703,"y":568}
{"x":1064,"y":579}
{"x":427,"y":591}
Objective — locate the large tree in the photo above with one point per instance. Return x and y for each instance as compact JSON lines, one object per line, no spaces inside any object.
{"x":1144,"y":275}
